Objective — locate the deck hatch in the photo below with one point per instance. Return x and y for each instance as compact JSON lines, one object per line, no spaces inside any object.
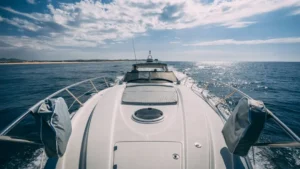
{"x":148,"y":115}
{"x":148,"y":155}
{"x":149,"y":95}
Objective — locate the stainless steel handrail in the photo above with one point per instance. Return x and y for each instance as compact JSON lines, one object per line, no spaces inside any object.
{"x":31,"y":109}
{"x":286,"y":129}
{"x":94,"y":88}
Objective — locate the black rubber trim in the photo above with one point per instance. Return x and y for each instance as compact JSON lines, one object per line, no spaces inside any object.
{"x":83,"y":151}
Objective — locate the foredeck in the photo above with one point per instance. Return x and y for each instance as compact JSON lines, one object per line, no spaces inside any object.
{"x":191,"y":123}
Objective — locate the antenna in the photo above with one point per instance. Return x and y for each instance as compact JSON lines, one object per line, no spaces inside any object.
{"x":134,"y":50}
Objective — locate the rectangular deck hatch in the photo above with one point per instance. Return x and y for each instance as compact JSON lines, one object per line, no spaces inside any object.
{"x":147,"y":155}
{"x":145,"y":95}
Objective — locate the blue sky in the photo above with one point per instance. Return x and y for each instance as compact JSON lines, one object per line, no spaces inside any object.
{"x":190,"y":30}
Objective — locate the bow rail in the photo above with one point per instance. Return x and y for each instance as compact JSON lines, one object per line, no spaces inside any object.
{"x":95,"y":88}
{"x":218,"y":106}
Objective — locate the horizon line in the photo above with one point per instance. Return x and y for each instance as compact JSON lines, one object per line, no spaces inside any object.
{"x":95,"y":60}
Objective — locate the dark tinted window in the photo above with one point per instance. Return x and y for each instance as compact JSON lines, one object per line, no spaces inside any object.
{"x":150,"y":76}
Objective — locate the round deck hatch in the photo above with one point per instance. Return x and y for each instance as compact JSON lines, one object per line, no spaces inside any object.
{"x":148,"y":115}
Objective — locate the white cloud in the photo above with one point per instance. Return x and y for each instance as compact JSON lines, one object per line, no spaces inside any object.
{"x":238,"y":24}
{"x":45,"y":43}
{"x":33,"y":16}
{"x":92,"y":23}
{"x":21,"y":23}
{"x":296,"y":12}
{"x":1,"y":19}
{"x":30,"y":1}
{"x":246,"y":42}
{"x":25,"y":42}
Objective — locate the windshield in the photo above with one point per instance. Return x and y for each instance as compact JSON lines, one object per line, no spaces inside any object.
{"x":148,"y":67}
{"x":151,"y":69}
{"x":150,"y":76}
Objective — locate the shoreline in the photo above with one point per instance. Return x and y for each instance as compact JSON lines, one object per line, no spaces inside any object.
{"x":41,"y":63}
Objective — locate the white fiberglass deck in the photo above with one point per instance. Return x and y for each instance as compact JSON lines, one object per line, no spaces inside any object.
{"x":190,"y":129}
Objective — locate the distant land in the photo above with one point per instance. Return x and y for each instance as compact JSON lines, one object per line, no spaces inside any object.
{"x":20,"y":61}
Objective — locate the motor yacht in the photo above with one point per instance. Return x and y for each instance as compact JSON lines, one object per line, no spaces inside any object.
{"x":152,"y":118}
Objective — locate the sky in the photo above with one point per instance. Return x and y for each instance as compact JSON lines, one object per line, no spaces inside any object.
{"x":174,"y":30}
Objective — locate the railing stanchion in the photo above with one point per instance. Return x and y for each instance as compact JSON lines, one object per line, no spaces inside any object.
{"x":226,"y":97}
{"x":204,"y":88}
{"x":94,"y":86}
{"x":186,"y":78}
{"x":105,"y":82}
{"x":74,"y":97}
{"x":193,"y":85}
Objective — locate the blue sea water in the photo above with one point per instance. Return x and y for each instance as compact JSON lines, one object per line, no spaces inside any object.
{"x":275,"y":83}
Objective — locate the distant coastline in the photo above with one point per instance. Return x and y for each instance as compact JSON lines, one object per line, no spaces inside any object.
{"x":4,"y":61}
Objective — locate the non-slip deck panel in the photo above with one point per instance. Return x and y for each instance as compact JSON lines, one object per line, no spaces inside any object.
{"x":156,"y":95}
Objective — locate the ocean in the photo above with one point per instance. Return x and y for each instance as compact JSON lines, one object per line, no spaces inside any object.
{"x":277,"y":84}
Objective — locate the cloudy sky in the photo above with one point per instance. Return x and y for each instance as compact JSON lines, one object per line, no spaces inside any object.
{"x":191,"y":30}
